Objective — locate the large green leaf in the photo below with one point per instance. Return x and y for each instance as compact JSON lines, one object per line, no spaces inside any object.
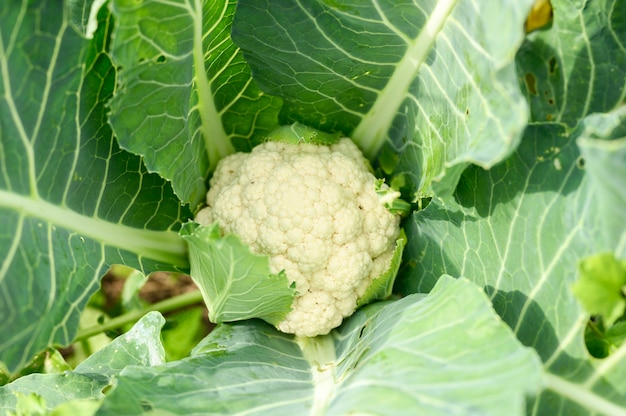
{"x":71,"y":202}
{"x":434,"y":79}
{"x":185,"y":98}
{"x":139,"y":346}
{"x":521,"y":228}
{"x":390,"y":358}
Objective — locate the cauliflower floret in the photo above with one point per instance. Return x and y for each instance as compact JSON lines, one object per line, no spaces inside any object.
{"x":313,"y":313}
{"x":292,"y":270}
{"x":313,"y":210}
{"x":226,"y":171}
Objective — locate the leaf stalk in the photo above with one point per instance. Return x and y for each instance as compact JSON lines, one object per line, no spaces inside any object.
{"x":167,"y":305}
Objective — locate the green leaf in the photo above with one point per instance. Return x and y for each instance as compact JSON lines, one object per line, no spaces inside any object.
{"x":566,"y":71}
{"x":431,"y":79}
{"x":602,"y":287}
{"x":140,"y":346}
{"x":71,"y":202}
{"x":616,"y":334}
{"x":54,"y":362}
{"x":29,"y":405}
{"x":236,"y":284}
{"x":603,"y":149}
{"x":520,"y":229}
{"x":391,"y":199}
{"x":602,"y":342}
{"x":83,"y":15}
{"x":297,"y":133}
{"x":382,"y":286}
{"x":185,"y":98}
{"x":388,"y":358}
{"x":77,"y":407}
{"x":184,"y":330}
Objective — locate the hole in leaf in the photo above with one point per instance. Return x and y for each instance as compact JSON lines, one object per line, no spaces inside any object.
{"x":531,"y":83}
{"x":361,"y":331}
{"x":580,"y":163}
{"x":146,"y":405}
{"x":600,"y":341}
{"x":161,"y":58}
{"x":359,"y":360}
{"x":552,"y":65}
{"x":113,"y":333}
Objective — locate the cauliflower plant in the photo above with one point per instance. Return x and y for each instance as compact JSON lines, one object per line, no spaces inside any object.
{"x":315,"y":212}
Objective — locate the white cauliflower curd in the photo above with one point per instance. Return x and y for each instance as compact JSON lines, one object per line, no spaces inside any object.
{"x":314,"y":211}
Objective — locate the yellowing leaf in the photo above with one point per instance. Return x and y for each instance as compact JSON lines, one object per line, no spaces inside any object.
{"x":540,"y":15}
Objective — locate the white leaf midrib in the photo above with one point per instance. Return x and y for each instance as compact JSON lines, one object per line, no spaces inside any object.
{"x":374,"y":126}
{"x":321,"y":355}
{"x":583,"y":396}
{"x":217,"y":142}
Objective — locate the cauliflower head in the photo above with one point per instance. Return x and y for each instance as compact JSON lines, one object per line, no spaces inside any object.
{"x":314,"y":211}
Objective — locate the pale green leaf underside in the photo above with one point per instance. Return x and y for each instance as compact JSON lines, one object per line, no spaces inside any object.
{"x":389,"y":358}
{"x":72,"y":203}
{"x":236,"y":284}
{"x":430,"y":78}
